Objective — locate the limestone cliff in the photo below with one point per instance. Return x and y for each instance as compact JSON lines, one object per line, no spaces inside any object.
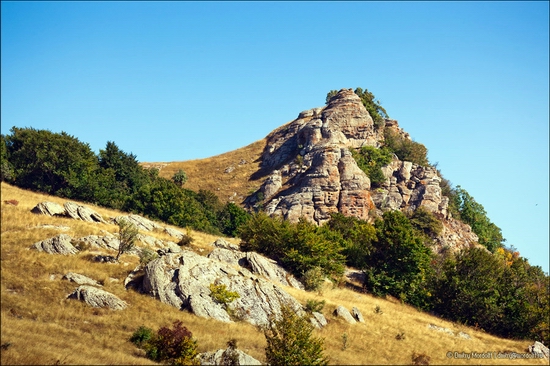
{"x":309,"y":172}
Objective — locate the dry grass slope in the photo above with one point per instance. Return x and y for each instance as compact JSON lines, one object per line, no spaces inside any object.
{"x":210,"y":173}
{"x":45,"y":328}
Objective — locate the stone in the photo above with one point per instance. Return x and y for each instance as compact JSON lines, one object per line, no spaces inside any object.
{"x":97,"y":298}
{"x":49,"y":209}
{"x":227,"y":356}
{"x":356,"y":313}
{"x":80,"y":279}
{"x":11,"y":202}
{"x":107,"y":241}
{"x":269,"y":269}
{"x":539,"y":349}
{"x":441,"y":329}
{"x":141,"y":222}
{"x":60,"y":244}
{"x":174,"y":233}
{"x":183,"y":280}
{"x":318,"y":320}
{"x":224,"y":244}
{"x":344,"y":313}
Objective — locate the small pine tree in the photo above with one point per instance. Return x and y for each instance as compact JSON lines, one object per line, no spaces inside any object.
{"x":127,"y":235}
{"x":290,"y":341}
{"x":180,"y":177}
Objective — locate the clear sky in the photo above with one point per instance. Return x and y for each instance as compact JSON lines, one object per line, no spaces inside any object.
{"x":171,"y":81}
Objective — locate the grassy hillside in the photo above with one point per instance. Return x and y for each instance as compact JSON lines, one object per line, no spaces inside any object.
{"x":210,"y":173}
{"x":42,"y":327}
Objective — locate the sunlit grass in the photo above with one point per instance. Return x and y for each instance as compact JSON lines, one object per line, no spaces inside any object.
{"x":43,"y":327}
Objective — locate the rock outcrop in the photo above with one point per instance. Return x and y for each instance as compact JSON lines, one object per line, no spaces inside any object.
{"x":80,"y":279}
{"x":60,"y":244}
{"x":49,"y":209}
{"x":183,"y":280}
{"x":140,"y":222}
{"x":69,"y":209}
{"x":539,"y":349}
{"x":227,"y":356}
{"x":342,"y":312}
{"x":97,"y":298}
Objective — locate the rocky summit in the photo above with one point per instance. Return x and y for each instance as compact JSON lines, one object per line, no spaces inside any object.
{"x":310,"y":172}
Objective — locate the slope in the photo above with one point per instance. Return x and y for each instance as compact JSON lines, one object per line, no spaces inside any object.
{"x":39,"y":326}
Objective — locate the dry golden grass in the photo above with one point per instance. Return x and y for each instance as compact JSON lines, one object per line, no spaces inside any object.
{"x":43,"y":327}
{"x":210,"y":173}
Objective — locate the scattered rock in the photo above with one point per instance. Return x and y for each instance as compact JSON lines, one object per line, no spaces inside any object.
{"x":173,"y":232}
{"x":107,"y":241}
{"x":357,"y":315}
{"x":343,"y":313}
{"x":80,"y":279}
{"x":54,"y":227}
{"x":539,"y":348}
{"x":49,"y":209}
{"x":464,"y":335}
{"x":271,"y":270}
{"x":224,"y":244}
{"x":229,"y":169}
{"x":228,"y":356}
{"x":60,"y":244}
{"x":104,"y":259}
{"x":97,"y":298}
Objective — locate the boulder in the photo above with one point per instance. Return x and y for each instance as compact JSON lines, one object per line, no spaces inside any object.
{"x":183,"y":280}
{"x":227,"y":356}
{"x":60,"y":244}
{"x":107,"y":241}
{"x":97,"y":298}
{"x":318,"y":320}
{"x":344,"y":313}
{"x":357,"y":315}
{"x":141,"y":222}
{"x":269,"y":268}
{"x":224,"y":244}
{"x":49,"y":209}
{"x":174,"y":233}
{"x":539,"y":349}
{"x":80,"y":279}
{"x":83,"y":213}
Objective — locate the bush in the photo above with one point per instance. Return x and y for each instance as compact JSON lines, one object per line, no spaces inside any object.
{"x":141,"y":336}
{"x":313,"y":279}
{"x":127,"y":235}
{"x":146,"y":255}
{"x":221,"y":295}
{"x":405,"y":149}
{"x":290,"y":341}
{"x":370,"y":160}
{"x":315,"y":306}
{"x":180,"y":177}
{"x":426,"y":222}
{"x":175,"y":345}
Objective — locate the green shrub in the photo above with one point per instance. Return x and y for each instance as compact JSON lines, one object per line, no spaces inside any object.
{"x":370,"y":160}
{"x":221,"y":295}
{"x":180,"y":177}
{"x":146,"y":255}
{"x":127,"y":235}
{"x":313,"y":279}
{"x":405,"y":149}
{"x":290,"y":341}
{"x":426,"y":222}
{"x":186,"y":239}
{"x":315,"y":306}
{"x":141,"y":336}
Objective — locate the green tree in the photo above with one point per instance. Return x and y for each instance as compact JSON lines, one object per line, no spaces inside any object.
{"x":373,"y":106}
{"x":230,"y":218}
{"x":290,"y":341}
{"x":358,"y":236}
{"x":405,"y":149}
{"x":180,"y":177}
{"x":6,"y":170}
{"x":127,"y":235}
{"x":473,"y":214}
{"x":370,"y":160}
{"x":399,"y":263}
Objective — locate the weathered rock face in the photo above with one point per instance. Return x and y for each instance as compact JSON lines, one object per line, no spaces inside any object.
{"x":80,"y":279}
{"x":49,"y":209}
{"x":140,"y":222}
{"x":97,"y":298}
{"x":344,"y":313}
{"x":69,"y":209}
{"x":60,"y":244}
{"x":309,"y":172}
{"x":183,"y":280}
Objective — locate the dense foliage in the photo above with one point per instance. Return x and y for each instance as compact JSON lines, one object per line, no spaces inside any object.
{"x":405,"y":149}
{"x":370,"y":160}
{"x":61,"y":165}
{"x":290,"y":341}
{"x":174,"y":346}
{"x":298,"y":246}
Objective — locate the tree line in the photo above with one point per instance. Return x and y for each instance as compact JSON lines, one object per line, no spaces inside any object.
{"x":61,"y":165}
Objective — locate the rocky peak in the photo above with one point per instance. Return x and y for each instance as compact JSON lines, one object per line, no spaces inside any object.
{"x":309,"y":170}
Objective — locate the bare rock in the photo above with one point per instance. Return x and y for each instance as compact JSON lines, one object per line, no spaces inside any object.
{"x":224,"y":244}
{"x":539,"y":348}
{"x":357,"y":315}
{"x":174,"y":233}
{"x":141,"y":222}
{"x":107,"y":241}
{"x":49,"y":209}
{"x":344,"y":313}
{"x":318,"y":320}
{"x":83,"y":213}
{"x":269,"y":269}
{"x":227,"y":356}
{"x":183,"y":280}
{"x":97,"y":298}
{"x":60,"y":244}
{"x":233,"y":257}
{"x":80,"y":279}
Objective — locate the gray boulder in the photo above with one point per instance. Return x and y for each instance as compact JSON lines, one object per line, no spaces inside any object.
{"x":108,"y":241}
{"x":318,"y":320}
{"x":173,"y":232}
{"x":183,"y":280}
{"x":49,"y":209}
{"x":357,"y":315}
{"x":227,"y":356}
{"x":539,"y":348}
{"x":60,"y":244}
{"x":97,"y":298}
{"x":343,"y":313}
{"x":141,"y":222}
{"x":80,"y":279}
{"x":271,"y":270}
{"x":83,"y":213}
{"x":224,"y":244}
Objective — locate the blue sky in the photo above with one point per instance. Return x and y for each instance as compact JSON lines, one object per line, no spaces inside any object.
{"x":172,"y":81}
